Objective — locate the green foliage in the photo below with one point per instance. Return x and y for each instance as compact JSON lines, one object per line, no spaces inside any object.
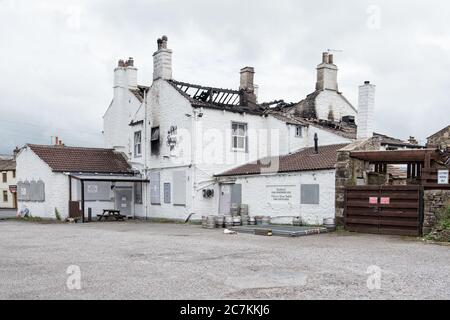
{"x":57,"y":215}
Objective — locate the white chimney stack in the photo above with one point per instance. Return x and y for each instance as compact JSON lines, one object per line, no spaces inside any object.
{"x":366,"y":111}
{"x":327,"y":73}
{"x":162,"y":61}
{"x":125,"y":75}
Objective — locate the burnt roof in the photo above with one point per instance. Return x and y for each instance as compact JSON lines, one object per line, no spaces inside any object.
{"x":78,"y":159}
{"x":303,"y":160}
{"x":7,"y":165}
{"x":215,"y":98}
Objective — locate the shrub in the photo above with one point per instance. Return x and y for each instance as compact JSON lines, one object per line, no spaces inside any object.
{"x":57,"y":215}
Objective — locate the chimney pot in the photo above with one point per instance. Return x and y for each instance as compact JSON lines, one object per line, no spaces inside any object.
{"x":330,"y":59}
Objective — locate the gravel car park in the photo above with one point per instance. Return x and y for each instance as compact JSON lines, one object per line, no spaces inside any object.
{"x":138,"y":260}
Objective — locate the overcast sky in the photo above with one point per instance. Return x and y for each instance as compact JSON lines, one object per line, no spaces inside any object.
{"x":57,"y":57}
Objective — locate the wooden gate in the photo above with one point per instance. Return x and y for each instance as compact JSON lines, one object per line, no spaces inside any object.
{"x":396,"y":210}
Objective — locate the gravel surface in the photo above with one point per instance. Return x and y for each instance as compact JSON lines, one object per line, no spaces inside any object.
{"x":137,"y":260}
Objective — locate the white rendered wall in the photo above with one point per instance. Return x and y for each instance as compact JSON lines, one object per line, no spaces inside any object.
{"x":31,"y":167}
{"x":331,"y":99}
{"x":254,"y":193}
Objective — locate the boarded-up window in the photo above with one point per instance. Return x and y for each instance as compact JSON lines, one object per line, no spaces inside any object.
{"x":36,"y":191}
{"x":97,"y":191}
{"x":138,"y":192}
{"x":23,"y":190}
{"x":179,"y":188}
{"x":310,"y":194}
{"x":167,"y":193}
{"x":155,"y":188}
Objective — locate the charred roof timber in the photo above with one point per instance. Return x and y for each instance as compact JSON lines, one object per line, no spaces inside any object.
{"x":212,"y":95}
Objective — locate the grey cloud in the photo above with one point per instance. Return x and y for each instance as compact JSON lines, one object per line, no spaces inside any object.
{"x":57,"y":57}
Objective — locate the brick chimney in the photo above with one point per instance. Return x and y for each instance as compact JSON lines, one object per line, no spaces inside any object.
{"x":247,"y":86}
{"x":327,"y":73}
{"x":366,"y":111}
{"x":162,"y":61}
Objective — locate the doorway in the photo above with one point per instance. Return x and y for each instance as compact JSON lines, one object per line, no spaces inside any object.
{"x":123,"y":200}
{"x":229,"y":193}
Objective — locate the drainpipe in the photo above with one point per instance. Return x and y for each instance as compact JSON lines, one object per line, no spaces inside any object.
{"x":144,"y":190}
{"x":193,"y":164}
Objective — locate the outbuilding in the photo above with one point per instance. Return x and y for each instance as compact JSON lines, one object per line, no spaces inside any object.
{"x":53,"y":178}
{"x":301,"y":184}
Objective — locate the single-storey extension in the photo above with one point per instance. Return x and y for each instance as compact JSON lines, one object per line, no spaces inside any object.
{"x":301,"y":184}
{"x":49,"y":178}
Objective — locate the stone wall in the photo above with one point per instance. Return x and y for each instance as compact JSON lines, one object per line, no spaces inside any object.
{"x":435,"y":202}
{"x":349,"y":170}
{"x":441,"y":138}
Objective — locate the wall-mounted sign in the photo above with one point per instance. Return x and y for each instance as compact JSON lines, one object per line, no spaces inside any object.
{"x":280,"y":194}
{"x":385,"y":200}
{"x":13,"y":189}
{"x":92,"y":188}
{"x":373,"y":200}
{"x":442,"y":176}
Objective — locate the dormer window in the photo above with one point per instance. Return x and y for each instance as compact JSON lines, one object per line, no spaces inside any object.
{"x":299,"y":131}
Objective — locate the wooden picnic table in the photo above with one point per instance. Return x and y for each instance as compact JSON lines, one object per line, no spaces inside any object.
{"x":108,"y":213}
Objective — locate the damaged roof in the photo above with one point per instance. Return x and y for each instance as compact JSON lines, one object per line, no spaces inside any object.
{"x":78,"y":159}
{"x":215,"y":98}
{"x":303,"y":160}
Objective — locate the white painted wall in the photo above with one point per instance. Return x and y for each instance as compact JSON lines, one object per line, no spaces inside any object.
{"x":329,"y":99}
{"x":31,"y":167}
{"x":255,"y":194}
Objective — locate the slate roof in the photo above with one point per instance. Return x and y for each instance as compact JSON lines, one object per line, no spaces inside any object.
{"x":77,"y":159}
{"x":7,"y":165}
{"x":303,"y":160}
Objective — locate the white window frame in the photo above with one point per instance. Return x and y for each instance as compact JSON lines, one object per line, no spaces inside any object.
{"x":299,"y":131}
{"x":234,"y":134}
{"x":138,"y":144}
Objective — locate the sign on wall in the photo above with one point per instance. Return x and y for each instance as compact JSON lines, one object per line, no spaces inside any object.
{"x":442,"y":176}
{"x":280,"y":193}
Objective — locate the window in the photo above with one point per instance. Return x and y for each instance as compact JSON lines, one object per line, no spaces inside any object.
{"x":5,"y":196}
{"x":155,"y":188}
{"x":239,"y":136}
{"x":137,"y":144}
{"x":5,"y":177}
{"x":167,"y":193}
{"x":310,"y":194}
{"x":14,"y":174}
{"x":299,"y":131}
{"x":138,"y":192}
{"x":154,"y":141}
